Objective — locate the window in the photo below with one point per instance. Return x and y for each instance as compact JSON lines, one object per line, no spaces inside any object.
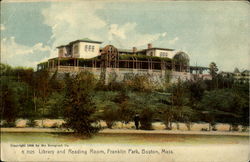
{"x":75,"y":49}
{"x":61,"y":52}
{"x":163,"y":54}
{"x":93,"y":48}
{"x":86,"y":48}
{"x":89,"y":48}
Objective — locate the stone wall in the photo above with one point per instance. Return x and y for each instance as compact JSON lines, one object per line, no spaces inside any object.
{"x":157,"y":76}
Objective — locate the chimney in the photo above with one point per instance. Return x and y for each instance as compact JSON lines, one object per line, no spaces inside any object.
{"x":149,"y":45}
{"x":134,"y":49}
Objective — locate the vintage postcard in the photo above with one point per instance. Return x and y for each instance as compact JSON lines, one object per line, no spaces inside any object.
{"x":101,"y":81}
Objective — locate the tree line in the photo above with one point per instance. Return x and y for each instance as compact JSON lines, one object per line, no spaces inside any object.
{"x":82,"y":100}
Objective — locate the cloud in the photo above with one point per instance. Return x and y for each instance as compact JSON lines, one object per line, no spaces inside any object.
{"x":164,"y":34}
{"x":2,"y":27}
{"x":127,"y":36}
{"x":20,"y":55}
{"x":173,"y":41}
{"x":71,"y":21}
{"x":120,"y":32}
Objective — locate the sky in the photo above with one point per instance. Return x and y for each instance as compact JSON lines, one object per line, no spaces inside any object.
{"x":208,"y":31}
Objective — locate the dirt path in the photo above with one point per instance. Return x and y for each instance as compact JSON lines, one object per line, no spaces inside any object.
{"x":126,"y":131}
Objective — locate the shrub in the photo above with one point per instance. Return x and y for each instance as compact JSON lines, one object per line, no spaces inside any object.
{"x":204,"y":129}
{"x":8,"y":124}
{"x":31,"y":123}
{"x":146,"y":118}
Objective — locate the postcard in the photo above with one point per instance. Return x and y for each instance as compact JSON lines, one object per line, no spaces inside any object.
{"x":101,"y":81}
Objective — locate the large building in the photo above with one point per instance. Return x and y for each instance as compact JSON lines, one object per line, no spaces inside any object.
{"x":86,"y":54}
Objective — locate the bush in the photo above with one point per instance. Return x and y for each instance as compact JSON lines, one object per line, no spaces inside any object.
{"x":8,"y":124}
{"x":204,"y":129}
{"x":55,"y":125}
{"x":244,"y":128}
{"x":110,"y":115}
{"x":235,"y":128}
{"x":31,"y":123}
{"x":146,"y":118}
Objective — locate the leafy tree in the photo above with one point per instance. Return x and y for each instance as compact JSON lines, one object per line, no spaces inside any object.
{"x":165,"y":109}
{"x":9,"y":104}
{"x":213,"y":69}
{"x":138,"y":82}
{"x":166,"y":113}
{"x":79,"y":107}
{"x":144,"y":104}
{"x":188,"y":116}
{"x":55,"y":83}
{"x":236,"y":70}
{"x":5,"y":70}
{"x":242,"y":91}
{"x":146,"y":118}
{"x":54,"y":104}
{"x":222,"y":106}
{"x":126,"y":109}
{"x":25,"y":102}
{"x":179,"y":99}
{"x":109,"y":114}
{"x":41,"y":92}
{"x":213,"y":72}
{"x":107,"y":108}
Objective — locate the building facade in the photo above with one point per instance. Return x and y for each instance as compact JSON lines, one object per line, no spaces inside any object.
{"x":86,"y":54}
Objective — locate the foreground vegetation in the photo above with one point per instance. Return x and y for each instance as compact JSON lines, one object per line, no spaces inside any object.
{"x":82,"y":100}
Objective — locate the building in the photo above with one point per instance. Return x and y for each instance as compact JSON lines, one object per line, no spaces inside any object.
{"x":84,"y":48}
{"x":237,"y":76}
{"x":86,"y":54}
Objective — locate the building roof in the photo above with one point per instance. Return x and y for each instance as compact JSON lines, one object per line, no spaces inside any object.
{"x":141,"y":50}
{"x":80,"y":40}
{"x":85,"y":40}
{"x":181,"y":57}
{"x":168,"y":49}
{"x":246,"y":72}
{"x":61,"y":46}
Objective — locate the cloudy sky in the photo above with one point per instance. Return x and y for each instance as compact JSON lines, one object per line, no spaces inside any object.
{"x":207,"y":31}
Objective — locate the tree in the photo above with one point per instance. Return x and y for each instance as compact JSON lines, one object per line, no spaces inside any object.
{"x":109,"y":114}
{"x":138,"y":82}
{"x":145,"y":105}
{"x":165,"y":109}
{"x":80,"y":109}
{"x":166,"y":113}
{"x":242,"y":91}
{"x":54,"y":104}
{"x":213,"y":69}
{"x":126,"y":109}
{"x":179,"y":99}
{"x":41,"y":89}
{"x":9,"y":103}
{"x":107,"y":108}
{"x":236,"y":70}
{"x":223,"y":106}
{"x":213,"y":72}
